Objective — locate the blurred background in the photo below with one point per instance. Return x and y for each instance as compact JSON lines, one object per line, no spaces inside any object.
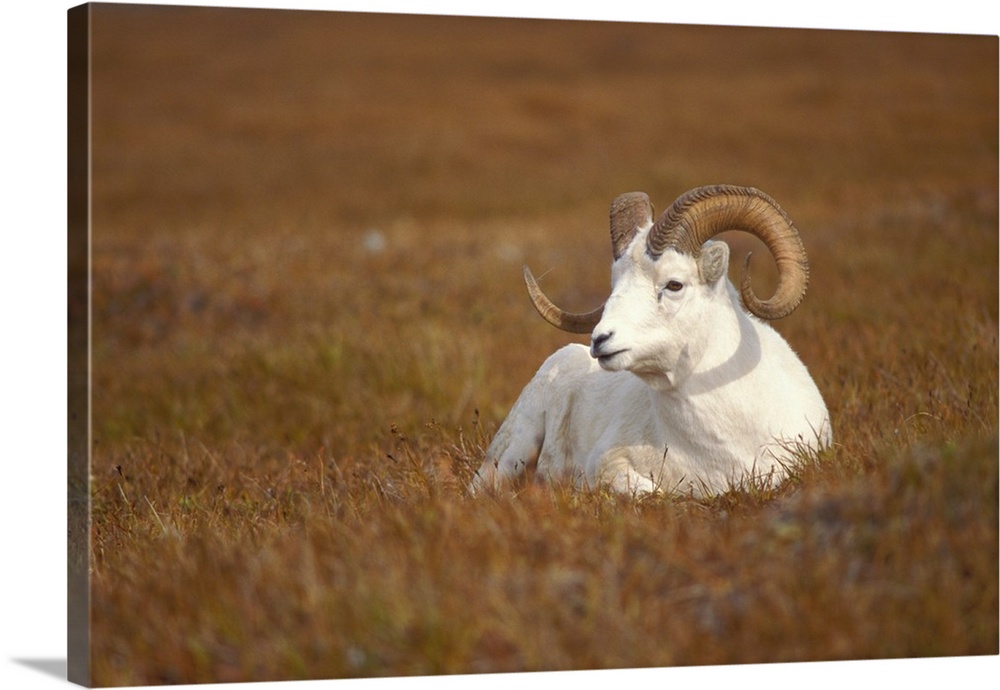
{"x":310,"y":225}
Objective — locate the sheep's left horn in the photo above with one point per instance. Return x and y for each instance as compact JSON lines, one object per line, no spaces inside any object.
{"x":704,"y":212}
{"x":567,"y":321}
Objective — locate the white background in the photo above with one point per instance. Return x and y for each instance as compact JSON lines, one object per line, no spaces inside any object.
{"x":33,"y":330}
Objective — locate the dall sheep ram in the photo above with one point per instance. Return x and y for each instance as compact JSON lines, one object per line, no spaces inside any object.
{"x":681,"y":390}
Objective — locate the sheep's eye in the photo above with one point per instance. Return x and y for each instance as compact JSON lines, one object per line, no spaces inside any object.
{"x":674,"y":286}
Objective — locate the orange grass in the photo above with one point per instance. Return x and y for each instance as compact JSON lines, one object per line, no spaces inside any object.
{"x":307,"y":323}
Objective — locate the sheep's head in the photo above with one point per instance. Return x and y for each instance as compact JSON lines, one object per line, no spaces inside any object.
{"x":667,"y":275}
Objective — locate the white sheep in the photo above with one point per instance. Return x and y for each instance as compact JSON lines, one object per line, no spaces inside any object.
{"x":681,"y":389}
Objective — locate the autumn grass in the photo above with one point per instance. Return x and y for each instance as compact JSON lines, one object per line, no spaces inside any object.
{"x":286,"y":416}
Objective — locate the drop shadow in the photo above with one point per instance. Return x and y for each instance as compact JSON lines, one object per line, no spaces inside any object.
{"x":50,"y":667}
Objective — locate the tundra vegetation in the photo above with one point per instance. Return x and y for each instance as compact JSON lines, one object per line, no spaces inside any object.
{"x":308,"y":322}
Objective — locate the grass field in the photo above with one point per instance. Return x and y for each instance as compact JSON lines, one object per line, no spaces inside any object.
{"x":308,"y":232}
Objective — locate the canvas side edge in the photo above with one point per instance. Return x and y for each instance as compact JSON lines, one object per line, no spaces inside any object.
{"x":78,"y":352}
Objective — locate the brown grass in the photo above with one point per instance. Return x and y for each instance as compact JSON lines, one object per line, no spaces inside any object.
{"x":285,"y":417}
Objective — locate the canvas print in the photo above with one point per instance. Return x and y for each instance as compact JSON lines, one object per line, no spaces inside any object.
{"x":410,"y":345}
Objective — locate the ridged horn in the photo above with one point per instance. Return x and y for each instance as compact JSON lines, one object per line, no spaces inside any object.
{"x":629,"y":212}
{"x":704,"y":212}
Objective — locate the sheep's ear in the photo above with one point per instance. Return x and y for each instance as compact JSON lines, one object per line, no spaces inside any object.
{"x":713,"y":262}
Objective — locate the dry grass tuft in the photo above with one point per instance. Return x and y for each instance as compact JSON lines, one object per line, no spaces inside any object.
{"x":308,"y":322}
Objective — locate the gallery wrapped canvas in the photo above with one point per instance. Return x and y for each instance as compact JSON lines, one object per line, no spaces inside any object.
{"x":297,"y":321}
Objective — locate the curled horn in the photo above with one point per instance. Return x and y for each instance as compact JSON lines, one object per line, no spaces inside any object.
{"x":629,"y":212}
{"x":704,"y":212}
{"x":565,"y":320}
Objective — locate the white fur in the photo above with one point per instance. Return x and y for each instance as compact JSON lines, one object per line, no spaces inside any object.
{"x":681,"y":391}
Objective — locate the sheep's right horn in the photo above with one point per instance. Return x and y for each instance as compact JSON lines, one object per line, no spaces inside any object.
{"x":629,"y":212}
{"x":567,"y":321}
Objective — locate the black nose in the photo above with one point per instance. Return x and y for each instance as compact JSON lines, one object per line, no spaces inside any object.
{"x":599,"y":339}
